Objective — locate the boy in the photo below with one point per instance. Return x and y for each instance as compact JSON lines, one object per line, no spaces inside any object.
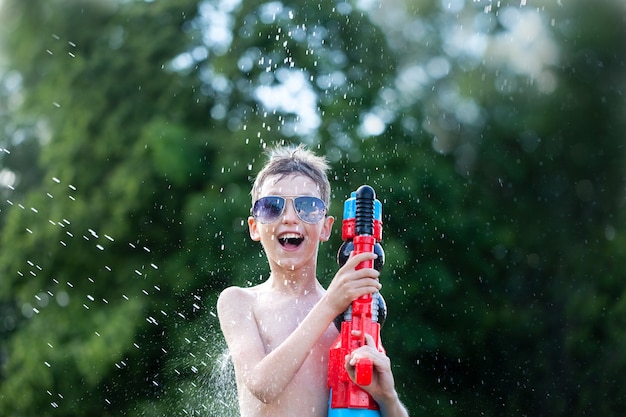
{"x":279,"y":332}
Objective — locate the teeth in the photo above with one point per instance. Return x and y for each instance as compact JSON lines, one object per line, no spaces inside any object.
{"x":290,"y":236}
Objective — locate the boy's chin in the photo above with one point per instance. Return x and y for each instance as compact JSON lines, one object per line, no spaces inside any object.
{"x":291,"y":263}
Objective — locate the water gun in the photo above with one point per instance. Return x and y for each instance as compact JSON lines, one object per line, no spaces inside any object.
{"x":361,"y":232}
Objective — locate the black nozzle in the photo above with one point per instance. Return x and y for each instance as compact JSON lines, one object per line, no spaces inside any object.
{"x":365,"y":196}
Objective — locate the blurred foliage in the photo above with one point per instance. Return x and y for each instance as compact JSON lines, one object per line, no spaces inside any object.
{"x":492,"y":132}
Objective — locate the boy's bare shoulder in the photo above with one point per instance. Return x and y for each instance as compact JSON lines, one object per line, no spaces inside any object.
{"x":236,"y":298}
{"x":236,"y":313}
{"x":235,"y":295}
{"x":236,"y":292}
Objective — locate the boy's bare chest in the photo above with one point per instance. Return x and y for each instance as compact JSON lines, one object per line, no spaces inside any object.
{"x":276,"y":320}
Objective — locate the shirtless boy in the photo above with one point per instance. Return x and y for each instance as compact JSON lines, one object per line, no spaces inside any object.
{"x":280,"y":331}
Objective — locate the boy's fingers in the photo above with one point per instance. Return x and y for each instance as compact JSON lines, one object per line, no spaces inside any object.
{"x":365,"y":255}
{"x":369,"y":339}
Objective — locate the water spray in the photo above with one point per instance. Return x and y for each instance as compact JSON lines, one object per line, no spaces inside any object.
{"x":361,"y":232}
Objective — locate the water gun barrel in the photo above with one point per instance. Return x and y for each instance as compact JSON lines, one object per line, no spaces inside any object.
{"x":364,"y":242}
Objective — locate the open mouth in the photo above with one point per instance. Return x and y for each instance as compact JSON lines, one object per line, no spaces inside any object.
{"x":290,"y":240}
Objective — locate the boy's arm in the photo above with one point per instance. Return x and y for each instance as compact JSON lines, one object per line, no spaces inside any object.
{"x":265,"y":375}
{"x":260,"y":372}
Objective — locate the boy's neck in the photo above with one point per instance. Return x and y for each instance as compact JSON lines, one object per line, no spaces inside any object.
{"x":297,"y":283}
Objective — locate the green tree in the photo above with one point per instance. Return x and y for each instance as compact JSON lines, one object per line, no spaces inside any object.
{"x":518,"y":231}
{"x":77,"y":258}
{"x":112,"y":259}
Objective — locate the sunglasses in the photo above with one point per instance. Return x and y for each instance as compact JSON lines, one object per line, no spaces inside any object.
{"x":308,"y":208}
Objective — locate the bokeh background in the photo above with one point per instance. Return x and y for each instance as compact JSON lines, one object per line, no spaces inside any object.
{"x":492,"y":131}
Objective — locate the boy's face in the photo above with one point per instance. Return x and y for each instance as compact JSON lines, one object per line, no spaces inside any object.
{"x":289,"y":242}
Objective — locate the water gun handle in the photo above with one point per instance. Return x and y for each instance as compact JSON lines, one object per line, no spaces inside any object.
{"x":363,"y":371}
{"x":364,"y":367}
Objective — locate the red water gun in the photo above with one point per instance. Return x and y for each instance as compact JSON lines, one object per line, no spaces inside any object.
{"x":361,"y":232}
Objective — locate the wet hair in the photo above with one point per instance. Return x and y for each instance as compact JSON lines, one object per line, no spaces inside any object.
{"x":294,"y":160}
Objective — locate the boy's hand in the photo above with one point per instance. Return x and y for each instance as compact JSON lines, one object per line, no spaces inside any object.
{"x":350,"y":283}
{"x":382,"y":387}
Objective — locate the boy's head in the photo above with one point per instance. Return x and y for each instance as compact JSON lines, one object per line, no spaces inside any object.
{"x":294,"y":160}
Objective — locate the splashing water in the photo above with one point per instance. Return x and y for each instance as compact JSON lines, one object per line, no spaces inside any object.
{"x":223,"y":389}
{"x":213,"y":392}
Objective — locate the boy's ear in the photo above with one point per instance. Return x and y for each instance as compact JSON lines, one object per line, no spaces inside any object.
{"x":253,"y":228}
{"x":327,"y":228}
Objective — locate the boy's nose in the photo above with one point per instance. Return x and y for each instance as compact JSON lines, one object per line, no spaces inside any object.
{"x":289,"y":214}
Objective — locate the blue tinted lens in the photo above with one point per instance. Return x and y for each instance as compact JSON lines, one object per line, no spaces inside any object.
{"x":309,"y":209}
{"x":268,"y":209}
